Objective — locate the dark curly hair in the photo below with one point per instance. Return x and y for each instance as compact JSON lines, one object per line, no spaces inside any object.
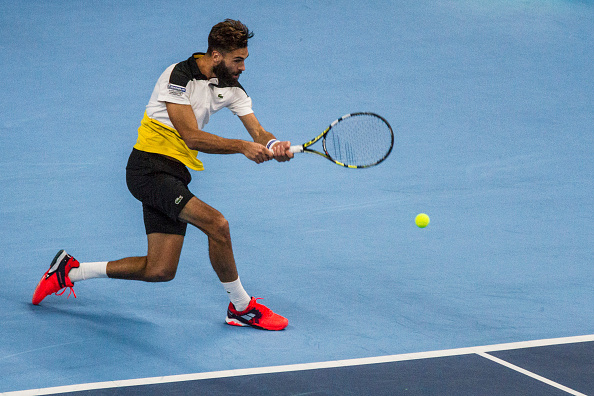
{"x":228,"y":36}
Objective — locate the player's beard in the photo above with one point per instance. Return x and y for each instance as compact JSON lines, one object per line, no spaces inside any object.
{"x":224,"y":75}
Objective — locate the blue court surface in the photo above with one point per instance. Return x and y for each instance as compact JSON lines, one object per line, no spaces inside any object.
{"x":492,"y":107}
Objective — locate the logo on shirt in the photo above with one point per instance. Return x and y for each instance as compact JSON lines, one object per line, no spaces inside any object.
{"x":179,"y":199}
{"x":176,"y":90}
{"x":220,"y":96}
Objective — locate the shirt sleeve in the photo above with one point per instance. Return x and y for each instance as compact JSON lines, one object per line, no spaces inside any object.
{"x":175,"y":88}
{"x":242,"y":104}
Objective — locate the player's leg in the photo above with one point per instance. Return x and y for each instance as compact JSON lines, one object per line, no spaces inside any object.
{"x":152,"y":179}
{"x":242,"y":310}
{"x":159,"y":265}
{"x":161,"y":184}
{"x":216,"y":228}
{"x":165,"y":240}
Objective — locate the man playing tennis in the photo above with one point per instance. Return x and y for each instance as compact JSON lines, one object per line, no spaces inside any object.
{"x":169,"y":138}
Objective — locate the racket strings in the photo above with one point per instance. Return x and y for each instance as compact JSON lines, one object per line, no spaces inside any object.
{"x":359,"y":140}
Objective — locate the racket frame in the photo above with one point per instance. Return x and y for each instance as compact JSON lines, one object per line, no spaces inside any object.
{"x":304,"y":148}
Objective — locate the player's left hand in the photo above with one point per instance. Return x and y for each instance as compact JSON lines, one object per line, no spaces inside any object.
{"x":281,"y":151}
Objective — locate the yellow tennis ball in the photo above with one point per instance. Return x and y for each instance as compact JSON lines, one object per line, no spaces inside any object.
{"x":422,"y":220}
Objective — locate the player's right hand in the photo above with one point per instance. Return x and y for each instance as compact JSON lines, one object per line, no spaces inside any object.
{"x":281,"y":151}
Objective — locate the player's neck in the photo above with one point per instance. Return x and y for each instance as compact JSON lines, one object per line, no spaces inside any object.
{"x":205,"y":64}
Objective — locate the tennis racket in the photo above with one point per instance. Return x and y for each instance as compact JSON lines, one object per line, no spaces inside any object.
{"x":356,"y":140}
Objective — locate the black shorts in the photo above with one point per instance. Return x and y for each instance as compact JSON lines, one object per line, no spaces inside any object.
{"x":161,"y":184}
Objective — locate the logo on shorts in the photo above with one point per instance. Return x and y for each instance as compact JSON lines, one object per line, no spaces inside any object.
{"x":179,"y":199}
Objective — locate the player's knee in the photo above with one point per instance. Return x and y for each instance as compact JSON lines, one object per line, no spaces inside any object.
{"x":159,"y":271}
{"x":163,"y":275}
{"x":221,"y":232}
{"x":166,"y":277}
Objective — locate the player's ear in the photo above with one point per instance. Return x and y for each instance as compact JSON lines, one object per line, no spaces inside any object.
{"x":217,"y":57}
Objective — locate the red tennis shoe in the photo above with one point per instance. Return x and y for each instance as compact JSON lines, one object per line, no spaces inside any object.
{"x":56,"y":277}
{"x":256,"y":315}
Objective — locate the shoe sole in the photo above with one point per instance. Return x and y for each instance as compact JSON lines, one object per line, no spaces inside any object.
{"x":235,"y":322}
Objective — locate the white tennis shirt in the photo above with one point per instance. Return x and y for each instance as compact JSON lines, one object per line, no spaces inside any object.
{"x":183,"y":83}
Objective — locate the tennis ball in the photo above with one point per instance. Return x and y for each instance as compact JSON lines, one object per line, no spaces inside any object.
{"x":422,"y":220}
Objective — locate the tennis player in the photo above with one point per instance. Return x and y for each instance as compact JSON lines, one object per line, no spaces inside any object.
{"x":169,"y":138}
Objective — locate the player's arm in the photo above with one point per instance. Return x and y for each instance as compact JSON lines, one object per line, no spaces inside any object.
{"x":260,"y":135}
{"x":184,"y":121}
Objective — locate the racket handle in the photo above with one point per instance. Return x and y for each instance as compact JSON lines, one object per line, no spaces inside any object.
{"x":296,"y":149}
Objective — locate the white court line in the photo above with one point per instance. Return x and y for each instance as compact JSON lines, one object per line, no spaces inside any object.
{"x":480,"y":350}
{"x":531,"y":374}
{"x":40,"y":349}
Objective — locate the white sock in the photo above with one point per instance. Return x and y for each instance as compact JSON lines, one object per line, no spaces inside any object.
{"x":238,"y":296}
{"x":88,"y":271}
